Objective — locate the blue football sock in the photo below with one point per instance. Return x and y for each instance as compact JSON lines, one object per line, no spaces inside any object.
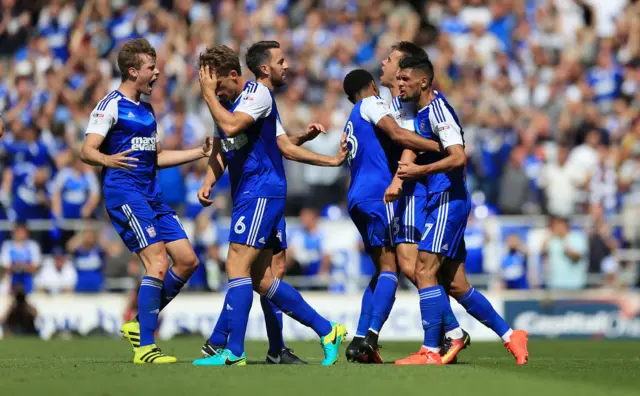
{"x":383,"y":298}
{"x":480,"y":308}
{"x":433,"y":305}
{"x":220,"y":332}
{"x":239,"y":300}
{"x":273,"y":321}
{"x":149,"y":308}
{"x":290,"y":301}
{"x":366,"y":308}
{"x":172,"y":285}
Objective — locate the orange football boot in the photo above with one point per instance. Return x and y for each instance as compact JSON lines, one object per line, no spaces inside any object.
{"x":455,"y":347}
{"x":423,"y":356}
{"x":517,"y":345}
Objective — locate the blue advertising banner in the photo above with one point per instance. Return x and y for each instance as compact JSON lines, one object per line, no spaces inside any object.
{"x":574,"y":318}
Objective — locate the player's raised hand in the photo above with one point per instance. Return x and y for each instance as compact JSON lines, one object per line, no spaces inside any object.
{"x":207,"y":147}
{"x":408,"y":171}
{"x":208,"y":80}
{"x":393,"y":192}
{"x":120,"y":161}
{"x":203,"y":195}
{"x":313,"y":130}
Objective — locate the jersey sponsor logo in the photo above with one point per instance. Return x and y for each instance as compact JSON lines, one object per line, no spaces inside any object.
{"x":352,"y":143}
{"x":234,"y":143}
{"x":151,"y":231}
{"x":144,"y":143}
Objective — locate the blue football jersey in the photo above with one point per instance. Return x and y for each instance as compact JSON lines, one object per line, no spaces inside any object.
{"x":127,"y":125}
{"x":253,"y":158}
{"x":373,"y":156}
{"x":438,"y":121}
{"x":405,"y":113}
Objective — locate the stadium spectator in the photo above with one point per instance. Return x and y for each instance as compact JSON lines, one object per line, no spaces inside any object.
{"x":566,"y":252}
{"x":75,"y":192}
{"x":514,"y":265}
{"x":306,"y":254}
{"x":20,"y":258}
{"x":57,"y":274}
{"x":536,"y":76}
{"x":88,"y":256}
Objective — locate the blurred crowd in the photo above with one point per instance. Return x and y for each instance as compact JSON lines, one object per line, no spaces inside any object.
{"x":546,"y":90}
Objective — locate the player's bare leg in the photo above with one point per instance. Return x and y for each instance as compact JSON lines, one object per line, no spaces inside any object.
{"x":455,"y":278}
{"x":185,"y":261}
{"x":407,"y":256}
{"x":154,"y":259}
{"x":384,"y":259}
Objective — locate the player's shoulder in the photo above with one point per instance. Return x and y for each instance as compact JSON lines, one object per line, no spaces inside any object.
{"x":373,"y":102}
{"x":108,"y":103}
{"x":148,"y":107}
{"x":254,"y":90}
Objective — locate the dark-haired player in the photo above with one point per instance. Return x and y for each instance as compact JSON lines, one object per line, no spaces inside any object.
{"x":253,"y":143}
{"x":375,"y":142}
{"x":447,"y":210}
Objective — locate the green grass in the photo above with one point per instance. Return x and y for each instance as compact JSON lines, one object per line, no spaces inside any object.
{"x":102,"y":366}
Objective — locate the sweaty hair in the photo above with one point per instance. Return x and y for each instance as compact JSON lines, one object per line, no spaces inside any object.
{"x":258,"y":54}
{"x":408,"y":49}
{"x":130,"y":55}
{"x":356,"y":81}
{"x":421,"y":63}
{"x":222,"y":59}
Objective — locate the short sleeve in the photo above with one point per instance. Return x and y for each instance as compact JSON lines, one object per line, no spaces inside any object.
{"x":58,"y":181}
{"x":256,"y":101}
{"x":373,"y":109}
{"x":279,"y":129}
{"x":444,"y":125}
{"x":92,"y":182}
{"x":159,"y":133}
{"x":103,"y":117}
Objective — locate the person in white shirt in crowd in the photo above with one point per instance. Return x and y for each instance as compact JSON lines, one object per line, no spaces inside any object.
{"x":75,"y":191}
{"x":560,"y":183}
{"x":57,"y":274}
{"x":566,"y":252}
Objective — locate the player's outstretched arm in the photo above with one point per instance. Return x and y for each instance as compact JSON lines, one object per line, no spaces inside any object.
{"x":171,"y":158}
{"x":230,"y":123}
{"x":90,"y":154}
{"x":406,"y":138}
{"x":457,"y":158}
{"x":215,"y":169}
{"x":300,"y":154}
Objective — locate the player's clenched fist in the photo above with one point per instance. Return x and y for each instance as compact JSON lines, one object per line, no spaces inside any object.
{"x":393,"y":192}
{"x":120,"y":161}
{"x":207,"y":147}
{"x":203,"y":195}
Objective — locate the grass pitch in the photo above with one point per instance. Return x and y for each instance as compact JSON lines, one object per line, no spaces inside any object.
{"x":103,"y":367}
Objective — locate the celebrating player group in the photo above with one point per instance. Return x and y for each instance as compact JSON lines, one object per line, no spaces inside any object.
{"x":407,"y":198}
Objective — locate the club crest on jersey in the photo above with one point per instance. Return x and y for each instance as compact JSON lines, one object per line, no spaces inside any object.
{"x":151,"y":231}
{"x":423,"y":125}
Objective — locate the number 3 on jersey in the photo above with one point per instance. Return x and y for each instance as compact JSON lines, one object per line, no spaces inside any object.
{"x":352,"y":142}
